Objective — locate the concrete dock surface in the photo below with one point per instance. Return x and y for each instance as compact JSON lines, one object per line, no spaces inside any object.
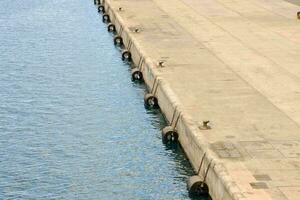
{"x":235,"y":63}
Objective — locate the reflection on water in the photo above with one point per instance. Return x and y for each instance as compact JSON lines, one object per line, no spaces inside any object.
{"x":72,"y":124}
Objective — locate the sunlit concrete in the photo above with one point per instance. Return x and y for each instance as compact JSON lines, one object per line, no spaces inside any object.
{"x":235,"y":63}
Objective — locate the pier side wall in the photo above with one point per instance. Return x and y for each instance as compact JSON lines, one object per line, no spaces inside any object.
{"x":220,"y":185}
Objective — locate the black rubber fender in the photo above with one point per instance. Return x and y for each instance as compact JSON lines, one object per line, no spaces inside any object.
{"x":111,"y":27}
{"x":150,"y":101}
{"x":126,"y":55}
{"x":101,"y":9}
{"x":105,"y":18}
{"x":196,"y":187}
{"x":118,"y":40}
{"x":136,"y":75}
{"x":169,"y":135}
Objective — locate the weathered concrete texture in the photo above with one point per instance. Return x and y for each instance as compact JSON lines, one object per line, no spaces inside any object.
{"x":237,"y":64}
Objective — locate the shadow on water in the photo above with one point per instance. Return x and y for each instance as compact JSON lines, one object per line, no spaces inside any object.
{"x":174,"y":150}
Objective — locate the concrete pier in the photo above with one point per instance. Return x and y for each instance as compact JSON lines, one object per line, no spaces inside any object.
{"x":235,"y":63}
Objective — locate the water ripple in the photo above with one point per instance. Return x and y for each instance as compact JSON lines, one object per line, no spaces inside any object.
{"x":72,"y":124}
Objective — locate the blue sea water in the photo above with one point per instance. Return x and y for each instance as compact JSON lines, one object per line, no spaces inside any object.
{"x":72,"y":124}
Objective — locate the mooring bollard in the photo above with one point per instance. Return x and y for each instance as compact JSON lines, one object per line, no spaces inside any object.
{"x":298,"y":15}
{"x":195,"y":185}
